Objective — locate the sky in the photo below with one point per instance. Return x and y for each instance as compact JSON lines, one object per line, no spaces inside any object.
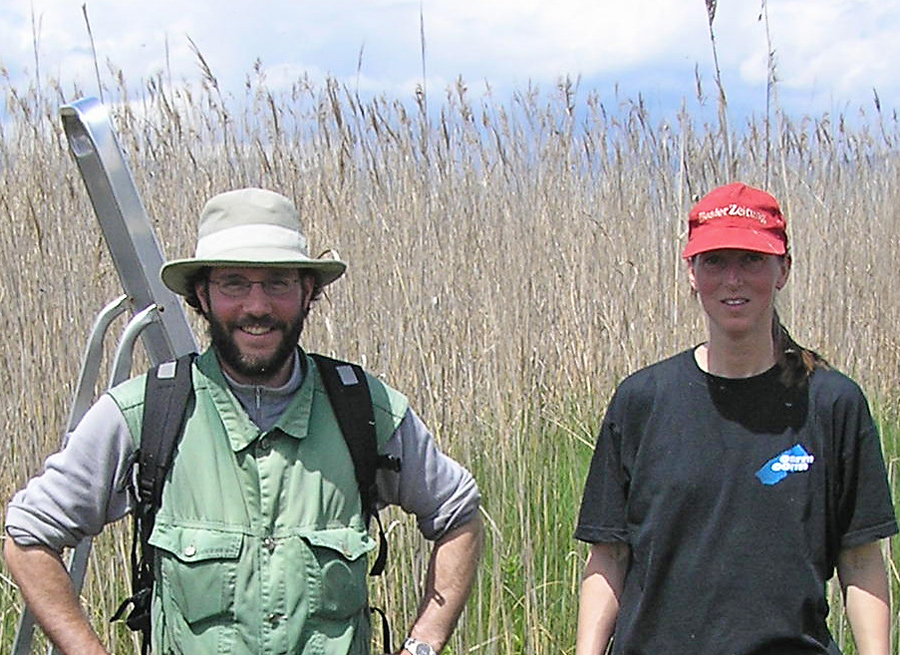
{"x":830,"y":56}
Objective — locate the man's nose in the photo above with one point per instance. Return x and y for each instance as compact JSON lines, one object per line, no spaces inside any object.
{"x":257,"y":297}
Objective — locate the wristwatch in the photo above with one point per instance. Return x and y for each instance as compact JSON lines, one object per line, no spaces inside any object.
{"x":417,"y":647}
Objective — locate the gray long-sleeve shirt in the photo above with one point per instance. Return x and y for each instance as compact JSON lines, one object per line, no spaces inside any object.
{"x":85,"y":485}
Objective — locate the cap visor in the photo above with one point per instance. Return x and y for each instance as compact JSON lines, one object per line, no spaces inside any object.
{"x":733,"y":239}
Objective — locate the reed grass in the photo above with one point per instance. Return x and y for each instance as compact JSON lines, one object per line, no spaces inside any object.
{"x":510,"y":262}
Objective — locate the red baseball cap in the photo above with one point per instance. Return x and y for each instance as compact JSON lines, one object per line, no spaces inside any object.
{"x":736,"y":216}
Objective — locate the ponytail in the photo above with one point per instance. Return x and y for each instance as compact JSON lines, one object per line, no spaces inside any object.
{"x":796,"y":362}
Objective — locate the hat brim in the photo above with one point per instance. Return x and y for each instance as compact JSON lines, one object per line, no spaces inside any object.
{"x":733,"y":238}
{"x":178,"y":274}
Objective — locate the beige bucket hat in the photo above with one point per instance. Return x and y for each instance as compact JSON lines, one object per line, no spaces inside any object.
{"x":249,"y":227}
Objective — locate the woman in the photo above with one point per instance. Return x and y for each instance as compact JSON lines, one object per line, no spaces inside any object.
{"x":731,"y":480}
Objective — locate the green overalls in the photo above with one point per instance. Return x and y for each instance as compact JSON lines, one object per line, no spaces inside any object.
{"x":261,"y":542}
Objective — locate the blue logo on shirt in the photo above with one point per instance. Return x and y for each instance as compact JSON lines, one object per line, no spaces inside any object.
{"x":793,"y":460}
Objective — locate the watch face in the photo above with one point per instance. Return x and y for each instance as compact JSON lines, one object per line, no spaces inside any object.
{"x":418,"y":647}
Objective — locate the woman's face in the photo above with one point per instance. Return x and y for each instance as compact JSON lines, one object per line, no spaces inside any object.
{"x":737,"y":288}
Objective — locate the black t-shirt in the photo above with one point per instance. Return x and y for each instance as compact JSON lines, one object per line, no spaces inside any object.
{"x":735,"y":497}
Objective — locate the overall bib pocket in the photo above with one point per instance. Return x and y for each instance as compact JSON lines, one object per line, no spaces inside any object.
{"x":337,"y":571}
{"x":198,"y":569}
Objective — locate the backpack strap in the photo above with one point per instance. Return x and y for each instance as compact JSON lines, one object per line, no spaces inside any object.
{"x":348,"y":391}
{"x":167,"y":395}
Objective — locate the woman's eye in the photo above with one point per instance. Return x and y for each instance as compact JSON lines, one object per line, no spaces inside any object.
{"x":753,"y":260}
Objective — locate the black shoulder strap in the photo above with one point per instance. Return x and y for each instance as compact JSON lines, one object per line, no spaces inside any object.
{"x":167,"y":395}
{"x":348,"y":391}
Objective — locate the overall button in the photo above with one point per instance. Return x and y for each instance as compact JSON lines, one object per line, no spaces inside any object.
{"x":265,"y":445}
{"x":274,"y":619}
{"x":190,"y":551}
{"x":269,"y":544}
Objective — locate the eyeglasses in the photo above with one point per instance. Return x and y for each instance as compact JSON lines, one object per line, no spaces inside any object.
{"x":237,"y":286}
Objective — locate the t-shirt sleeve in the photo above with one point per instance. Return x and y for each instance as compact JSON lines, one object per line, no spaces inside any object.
{"x":864,"y":506}
{"x":82,"y":487}
{"x":439,"y":491}
{"x":602,"y":515}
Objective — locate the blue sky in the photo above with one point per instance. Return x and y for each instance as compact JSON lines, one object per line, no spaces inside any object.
{"x":829,"y":54}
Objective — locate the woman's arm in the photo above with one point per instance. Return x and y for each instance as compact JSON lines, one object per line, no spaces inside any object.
{"x":598,"y":604}
{"x":865,"y":588}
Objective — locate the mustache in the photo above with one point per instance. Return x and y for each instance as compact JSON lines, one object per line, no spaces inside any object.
{"x":268,"y":322}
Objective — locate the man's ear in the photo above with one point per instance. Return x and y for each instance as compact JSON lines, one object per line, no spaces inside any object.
{"x":308,"y":282}
{"x":201,"y":288}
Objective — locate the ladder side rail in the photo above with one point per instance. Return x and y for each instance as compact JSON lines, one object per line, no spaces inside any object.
{"x":82,"y":397}
{"x":90,"y":362}
{"x":119,"y":372}
{"x":126,"y":227}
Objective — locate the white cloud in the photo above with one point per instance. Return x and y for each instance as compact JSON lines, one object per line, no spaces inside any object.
{"x":829,"y":52}
{"x":826,"y":51}
{"x":541,"y":40}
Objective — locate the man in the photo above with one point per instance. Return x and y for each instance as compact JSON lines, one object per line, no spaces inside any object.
{"x":260,"y":538}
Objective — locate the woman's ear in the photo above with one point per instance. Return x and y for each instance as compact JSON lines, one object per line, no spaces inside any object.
{"x":691,"y":277}
{"x":785,"y":272}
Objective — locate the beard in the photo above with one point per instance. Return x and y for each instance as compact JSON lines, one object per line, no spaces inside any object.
{"x":259,"y":368}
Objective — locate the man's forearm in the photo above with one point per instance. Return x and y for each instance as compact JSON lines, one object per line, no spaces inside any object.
{"x":451,"y":571}
{"x":48,"y":591}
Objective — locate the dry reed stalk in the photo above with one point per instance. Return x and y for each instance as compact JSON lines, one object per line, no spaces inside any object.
{"x":509,"y":264}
